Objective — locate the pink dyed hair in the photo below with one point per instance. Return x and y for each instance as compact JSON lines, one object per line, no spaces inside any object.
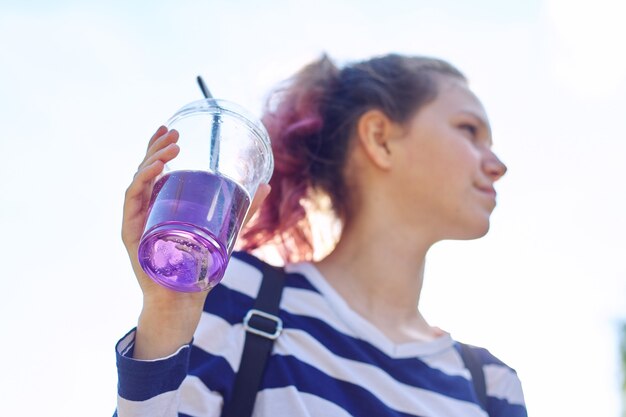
{"x":292,"y":113}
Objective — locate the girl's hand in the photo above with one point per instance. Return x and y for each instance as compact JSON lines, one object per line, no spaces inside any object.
{"x":168,"y":318}
{"x":162,"y":148}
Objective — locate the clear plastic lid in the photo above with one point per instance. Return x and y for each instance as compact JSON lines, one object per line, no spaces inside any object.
{"x":221,"y":137}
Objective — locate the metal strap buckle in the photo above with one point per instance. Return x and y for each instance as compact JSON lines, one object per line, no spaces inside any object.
{"x":277,"y":322}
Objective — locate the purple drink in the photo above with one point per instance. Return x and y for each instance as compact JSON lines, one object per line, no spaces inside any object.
{"x":193,"y":222}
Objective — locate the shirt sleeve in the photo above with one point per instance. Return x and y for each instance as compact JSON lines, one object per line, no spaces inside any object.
{"x":504,"y":391}
{"x":149,"y":387}
{"x":505,"y":397}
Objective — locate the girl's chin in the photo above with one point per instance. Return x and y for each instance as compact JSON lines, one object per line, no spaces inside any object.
{"x":476,"y":230}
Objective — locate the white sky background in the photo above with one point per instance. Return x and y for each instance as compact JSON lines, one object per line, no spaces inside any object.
{"x":82,"y":88}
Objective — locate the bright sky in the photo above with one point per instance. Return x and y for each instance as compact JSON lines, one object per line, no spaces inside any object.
{"x":83,"y":86}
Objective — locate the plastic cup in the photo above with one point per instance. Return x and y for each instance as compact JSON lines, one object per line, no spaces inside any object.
{"x":199,"y":203}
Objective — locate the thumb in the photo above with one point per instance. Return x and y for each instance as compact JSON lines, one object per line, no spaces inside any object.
{"x":261,"y":193}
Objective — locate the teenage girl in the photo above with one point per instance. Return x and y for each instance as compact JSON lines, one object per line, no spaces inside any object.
{"x":402,"y":149}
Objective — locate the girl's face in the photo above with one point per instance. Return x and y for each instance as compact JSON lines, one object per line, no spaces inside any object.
{"x":446,"y":168}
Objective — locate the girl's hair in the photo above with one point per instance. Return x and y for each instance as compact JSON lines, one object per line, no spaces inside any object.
{"x":310,"y":119}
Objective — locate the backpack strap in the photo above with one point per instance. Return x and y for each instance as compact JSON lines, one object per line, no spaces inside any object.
{"x":262,"y":326}
{"x":474,"y":365}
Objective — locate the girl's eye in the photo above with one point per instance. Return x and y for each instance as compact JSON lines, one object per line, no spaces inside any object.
{"x":473,"y":130}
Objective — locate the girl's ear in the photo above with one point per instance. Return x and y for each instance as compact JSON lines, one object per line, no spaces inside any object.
{"x":375,"y":132}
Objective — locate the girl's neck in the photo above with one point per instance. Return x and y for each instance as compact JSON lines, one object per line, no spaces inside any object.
{"x":380,"y":275}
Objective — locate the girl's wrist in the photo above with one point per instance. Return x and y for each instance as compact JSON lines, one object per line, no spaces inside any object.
{"x":162,"y":334}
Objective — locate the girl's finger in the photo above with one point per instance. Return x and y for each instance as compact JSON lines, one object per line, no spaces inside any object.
{"x":161,"y":142}
{"x":162,"y":130}
{"x":164,"y":155}
{"x":143,"y":178}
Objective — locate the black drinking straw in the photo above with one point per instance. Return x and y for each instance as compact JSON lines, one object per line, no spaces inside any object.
{"x":203,"y":87}
{"x":215,"y":129}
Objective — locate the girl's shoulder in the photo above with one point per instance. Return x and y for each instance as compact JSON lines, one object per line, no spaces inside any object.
{"x":502,"y":385}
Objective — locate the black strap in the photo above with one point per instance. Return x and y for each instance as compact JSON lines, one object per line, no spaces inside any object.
{"x":474,"y":365}
{"x":261,"y":330}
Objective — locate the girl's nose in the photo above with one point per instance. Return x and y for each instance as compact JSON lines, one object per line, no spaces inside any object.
{"x":494,"y":167}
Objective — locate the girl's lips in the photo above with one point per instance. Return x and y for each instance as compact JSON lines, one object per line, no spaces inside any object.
{"x":487,"y":190}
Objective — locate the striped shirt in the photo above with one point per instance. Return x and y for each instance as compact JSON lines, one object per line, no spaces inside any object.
{"x":328,"y":361}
